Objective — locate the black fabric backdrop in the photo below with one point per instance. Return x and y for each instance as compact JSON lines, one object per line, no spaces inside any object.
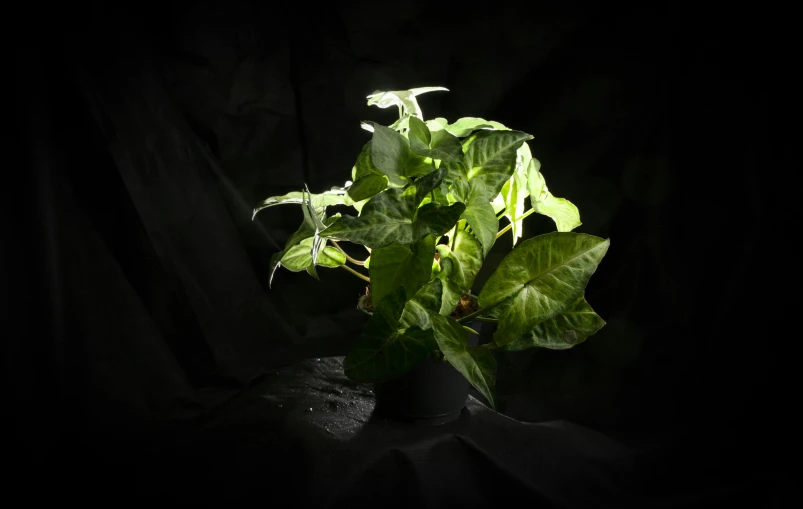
{"x":137,"y":283}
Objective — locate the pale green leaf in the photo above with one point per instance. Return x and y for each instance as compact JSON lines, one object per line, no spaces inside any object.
{"x":299,"y":257}
{"x":561,"y":210}
{"x":403,"y":99}
{"x":319,"y":201}
{"x":539,"y":279}
{"x":476,"y":364}
{"x":562,"y":331}
{"x":468,"y":125}
{"x":513,"y":193}
{"x":385,"y":350}
{"x":397,"y":265}
{"x":437,"y":124}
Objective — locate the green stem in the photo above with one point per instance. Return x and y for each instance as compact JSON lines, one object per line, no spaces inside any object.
{"x":349,"y":258}
{"x":361,"y":276}
{"x":475,"y":315}
{"x":509,"y":226}
{"x":485,"y":319}
{"x":500,"y":214}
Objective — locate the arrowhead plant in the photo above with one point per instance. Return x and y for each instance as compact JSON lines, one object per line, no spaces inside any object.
{"x":427,"y":198}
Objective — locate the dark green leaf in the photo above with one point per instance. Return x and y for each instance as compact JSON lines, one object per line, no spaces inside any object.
{"x":539,"y":279}
{"x":426,"y":301}
{"x":384,"y":350}
{"x":491,"y":158}
{"x":440,"y":145}
{"x":391,"y":154}
{"x":462,"y":264}
{"x":562,"y":331}
{"x":393,"y":216}
{"x":397,"y":265}
{"x":479,"y":214}
{"x":367,"y":186}
{"x":476,"y":364}
{"x":457,"y":181}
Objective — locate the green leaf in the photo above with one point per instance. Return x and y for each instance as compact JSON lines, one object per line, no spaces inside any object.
{"x":397,"y":265}
{"x":384,"y":350}
{"x":437,"y":124}
{"x":404,"y":99}
{"x":539,"y":279}
{"x":513,"y":193}
{"x":561,"y":210}
{"x":367,"y":186}
{"x":438,"y":145}
{"x":457,"y":181}
{"x":391,"y":154}
{"x":426,"y":301}
{"x":476,"y":364}
{"x":393,"y":216}
{"x":562,"y":331}
{"x":319,"y":201}
{"x":480,"y":215}
{"x":468,"y":125}
{"x":299,"y":257}
{"x":462,"y":264}
{"x":491,"y":158}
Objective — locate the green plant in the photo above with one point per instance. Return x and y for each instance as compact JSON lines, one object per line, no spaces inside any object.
{"x":429,"y":196}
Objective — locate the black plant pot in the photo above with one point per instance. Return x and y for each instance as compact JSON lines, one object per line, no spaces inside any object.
{"x":431,"y":393}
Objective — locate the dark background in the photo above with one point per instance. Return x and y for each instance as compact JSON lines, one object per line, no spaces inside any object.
{"x":137,"y":283}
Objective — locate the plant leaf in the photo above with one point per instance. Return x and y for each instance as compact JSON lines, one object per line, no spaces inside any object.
{"x":539,"y":279}
{"x":437,"y":124}
{"x":561,"y":210}
{"x":513,"y":193}
{"x":299,"y":257}
{"x":319,"y":201}
{"x":397,"y":265}
{"x":476,"y":364}
{"x":468,"y":125}
{"x":562,"y":331}
{"x":391,"y":154}
{"x":368,"y":180}
{"x":404,"y":99}
{"x":368,"y":186}
{"x":462,"y":264}
{"x":426,"y":301}
{"x":393,"y":216}
{"x":384,"y":350}
{"x":491,"y":158}
{"x":440,"y":145}
{"x":480,"y":215}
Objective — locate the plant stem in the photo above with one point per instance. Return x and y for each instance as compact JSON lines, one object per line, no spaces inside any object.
{"x":500,"y":214}
{"x":485,"y":319}
{"x":473,"y":316}
{"x":349,"y":258}
{"x":509,"y":226}
{"x":361,"y":276}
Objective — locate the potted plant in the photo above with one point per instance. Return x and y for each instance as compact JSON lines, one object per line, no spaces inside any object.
{"x":428,"y":197}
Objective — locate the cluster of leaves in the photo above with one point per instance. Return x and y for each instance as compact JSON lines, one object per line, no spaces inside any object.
{"x":429,"y":196}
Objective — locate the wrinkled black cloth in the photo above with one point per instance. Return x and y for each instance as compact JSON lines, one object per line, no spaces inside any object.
{"x":308,"y":434}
